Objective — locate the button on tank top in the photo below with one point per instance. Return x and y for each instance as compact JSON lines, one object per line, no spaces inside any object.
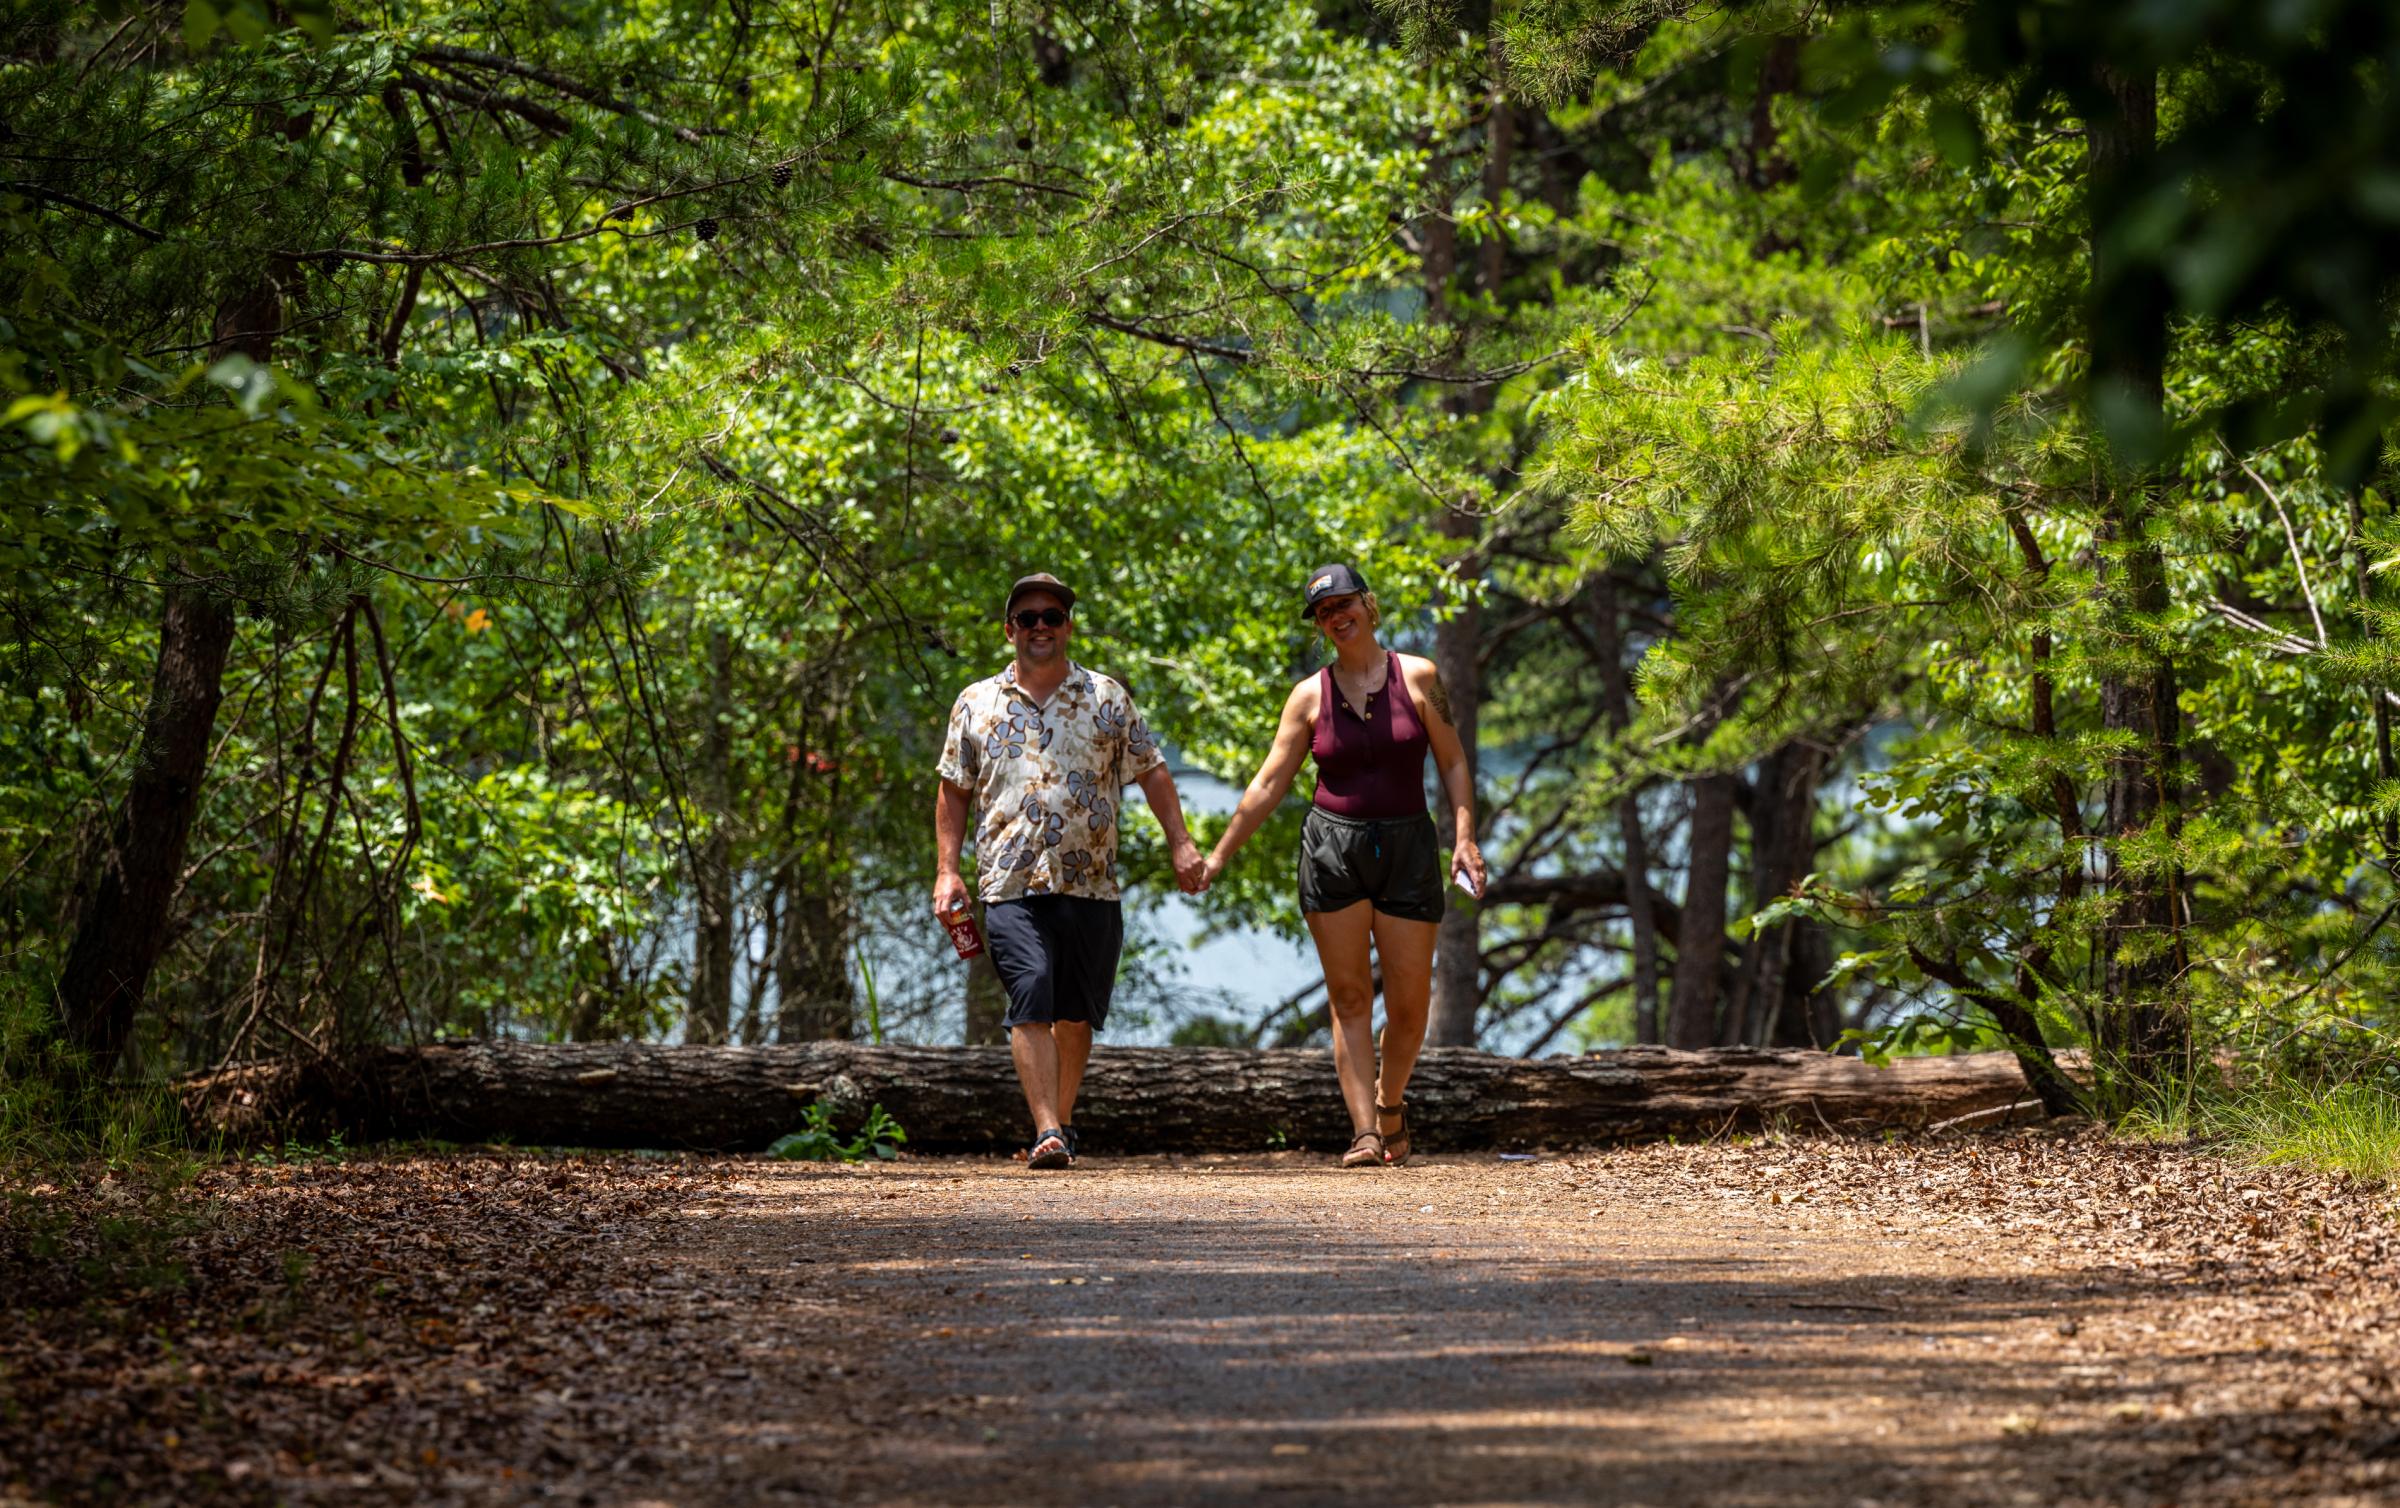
{"x":1372,"y":767}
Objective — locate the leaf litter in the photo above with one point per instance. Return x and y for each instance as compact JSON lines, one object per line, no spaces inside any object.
{"x":488,"y":1327}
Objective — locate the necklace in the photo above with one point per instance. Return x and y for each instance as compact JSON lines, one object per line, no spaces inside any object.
{"x":1357,"y":699}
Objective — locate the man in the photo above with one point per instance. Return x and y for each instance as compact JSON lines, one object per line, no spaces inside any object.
{"x":1043,"y":749}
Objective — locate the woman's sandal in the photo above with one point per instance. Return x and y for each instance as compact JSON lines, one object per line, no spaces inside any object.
{"x":1049,"y":1151}
{"x":1366,"y":1151}
{"x":1395,"y":1144}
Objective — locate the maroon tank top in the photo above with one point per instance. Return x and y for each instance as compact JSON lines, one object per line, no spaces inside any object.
{"x":1373,"y":767}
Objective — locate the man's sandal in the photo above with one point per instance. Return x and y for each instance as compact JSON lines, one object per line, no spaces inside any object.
{"x":1050,"y":1151}
{"x":1366,"y":1151}
{"x":1395,"y":1144}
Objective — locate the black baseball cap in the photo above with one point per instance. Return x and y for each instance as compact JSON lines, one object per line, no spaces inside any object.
{"x":1039,"y":581}
{"x":1330,"y":581}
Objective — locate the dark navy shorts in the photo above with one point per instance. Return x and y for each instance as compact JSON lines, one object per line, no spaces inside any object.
{"x":1396,"y":863}
{"x":1057,"y":956}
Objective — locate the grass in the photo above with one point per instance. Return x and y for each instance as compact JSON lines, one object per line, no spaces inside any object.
{"x":51,"y":1115}
{"x":2349,"y":1126}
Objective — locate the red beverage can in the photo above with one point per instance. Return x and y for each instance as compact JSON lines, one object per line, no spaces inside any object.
{"x":963,"y":935}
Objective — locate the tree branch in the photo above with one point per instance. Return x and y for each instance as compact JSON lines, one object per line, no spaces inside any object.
{"x":574,"y":88}
{"x":54,"y":196}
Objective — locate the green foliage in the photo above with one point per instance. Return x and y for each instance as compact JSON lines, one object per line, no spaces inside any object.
{"x":301,"y":1154}
{"x":817,"y":1141}
{"x":1207,"y":1030}
{"x":589,"y":345}
{"x":2215,"y":222}
{"x":1919,"y":1036}
{"x":614,"y":429}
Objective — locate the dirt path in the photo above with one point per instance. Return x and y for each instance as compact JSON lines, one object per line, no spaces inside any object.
{"x":1468,"y":1331}
{"x":2032,"y":1318}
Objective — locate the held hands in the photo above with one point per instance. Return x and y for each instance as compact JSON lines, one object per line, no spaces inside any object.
{"x":1214,"y":868}
{"x":1191,"y":871}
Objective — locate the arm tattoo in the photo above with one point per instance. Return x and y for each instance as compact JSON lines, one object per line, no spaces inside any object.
{"x":1439,"y":695}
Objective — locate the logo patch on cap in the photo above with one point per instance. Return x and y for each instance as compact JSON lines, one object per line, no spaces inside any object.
{"x":1320,"y":581}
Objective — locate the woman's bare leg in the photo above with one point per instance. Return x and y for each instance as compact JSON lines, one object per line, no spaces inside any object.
{"x":1405,"y":949}
{"x":1342,"y":948}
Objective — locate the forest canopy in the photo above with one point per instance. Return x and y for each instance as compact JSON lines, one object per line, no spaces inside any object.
{"x":500,"y":499}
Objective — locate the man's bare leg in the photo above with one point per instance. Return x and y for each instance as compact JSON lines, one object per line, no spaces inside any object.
{"x":1036,"y":1056}
{"x":1074,"y":1042}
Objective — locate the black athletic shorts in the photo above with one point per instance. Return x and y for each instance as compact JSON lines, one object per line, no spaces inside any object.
{"x":1395,"y":863}
{"x":1057,"y":955}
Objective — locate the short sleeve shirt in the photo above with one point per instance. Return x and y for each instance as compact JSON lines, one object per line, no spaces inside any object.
{"x":1046,"y":779}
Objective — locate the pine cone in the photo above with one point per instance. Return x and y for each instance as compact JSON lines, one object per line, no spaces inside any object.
{"x":782,"y":175}
{"x":706,"y":227}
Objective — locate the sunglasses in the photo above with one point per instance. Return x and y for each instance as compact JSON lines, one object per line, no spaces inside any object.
{"x":1332,"y":605}
{"x":1048,"y":617}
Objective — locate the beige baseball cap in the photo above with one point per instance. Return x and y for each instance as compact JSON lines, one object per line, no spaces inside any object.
{"x":1039,"y":581}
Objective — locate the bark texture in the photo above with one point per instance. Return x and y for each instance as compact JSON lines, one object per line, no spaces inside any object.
{"x":123,"y":917}
{"x":123,"y":905}
{"x":1609,"y":637}
{"x":1451,"y":1020}
{"x":1458,"y":945}
{"x":1783,"y":848}
{"x":2127,"y":319}
{"x":815,"y":999}
{"x":1700,"y":944}
{"x":1135,"y":1099}
{"x":711,"y":1014}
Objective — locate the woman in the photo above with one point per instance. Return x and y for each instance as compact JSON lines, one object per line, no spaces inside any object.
{"x":1370,"y":873}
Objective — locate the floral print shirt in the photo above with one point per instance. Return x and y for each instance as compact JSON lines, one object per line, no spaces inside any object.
{"x":1045,"y":778}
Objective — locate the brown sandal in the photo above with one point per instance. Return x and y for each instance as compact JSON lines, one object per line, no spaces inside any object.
{"x":1395,"y":1146}
{"x":1366,"y":1151}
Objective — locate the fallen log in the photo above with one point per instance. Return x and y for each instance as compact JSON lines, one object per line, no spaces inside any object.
{"x":1135,"y":1099}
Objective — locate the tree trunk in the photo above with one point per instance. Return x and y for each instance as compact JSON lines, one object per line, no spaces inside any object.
{"x":710,"y":1018}
{"x":123,"y":919}
{"x":2362,"y":581}
{"x":815,"y":997}
{"x":1767,"y":165}
{"x":1135,"y":1099}
{"x":1609,"y":633}
{"x":2143,"y":1026}
{"x":121,"y":923}
{"x":1458,"y":640}
{"x":1700,"y":944}
{"x":1783,"y":846}
{"x":1811,"y":1017}
{"x":1499,"y":151}
{"x":1458,"y":945}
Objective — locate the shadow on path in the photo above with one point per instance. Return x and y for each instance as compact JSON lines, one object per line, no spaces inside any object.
{"x":1452,"y":1333}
